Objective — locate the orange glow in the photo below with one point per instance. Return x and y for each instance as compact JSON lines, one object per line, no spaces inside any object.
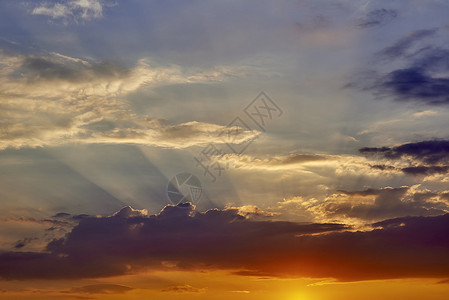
{"x":222,"y":285}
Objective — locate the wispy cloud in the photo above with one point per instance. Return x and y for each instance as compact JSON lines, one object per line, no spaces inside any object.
{"x":419,"y":158}
{"x":404,"y":46}
{"x":183,"y":289}
{"x":277,"y":162}
{"x":377,"y":17}
{"x":55,"y":99}
{"x":418,"y":73}
{"x":75,"y":9}
{"x":101,"y":288}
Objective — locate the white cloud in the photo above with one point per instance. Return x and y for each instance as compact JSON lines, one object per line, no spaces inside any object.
{"x":78,"y":9}
{"x":58,"y":99}
{"x":57,"y":11}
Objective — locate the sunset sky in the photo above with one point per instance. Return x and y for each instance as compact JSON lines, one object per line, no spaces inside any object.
{"x":224,"y":149}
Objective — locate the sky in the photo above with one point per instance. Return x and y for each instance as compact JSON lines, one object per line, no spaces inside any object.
{"x":290,"y":149}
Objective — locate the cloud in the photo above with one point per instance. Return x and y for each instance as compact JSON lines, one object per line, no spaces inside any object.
{"x":419,"y":158}
{"x":182,"y":135}
{"x":430,"y":152}
{"x":179,"y":239}
{"x":129,"y":212}
{"x":22,"y":243}
{"x":69,"y":69}
{"x":47,"y":222}
{"x":423,"y":170}
{"x":379,"y":204}
{"x":102,"y":288}
{"x":419,"y":70}
{"x":183,"y":289}
{"x":76,"y":9}
{"x":377,"y":17}
{"x":32,"y":234}
{"x":276,"y":162}
{"x":299,"y":158}
{"x":53,"y":100}
{"x":416,"y":84}
{"x":403,"y":45}
{"x":130,"y":241}
{"x":413,"y":69}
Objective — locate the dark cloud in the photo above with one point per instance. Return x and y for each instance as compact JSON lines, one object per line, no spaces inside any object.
{"x":377,"y":17}
{"x":425,"y":158}
{"x":414,"y":170}
{"x":81,"y":216}
{"x":111,"y":245}
{"x":128,"y":242}
{"x":383,"y":167}
{"x":401,"y":47}
{"x":420,"y":78}
{"x":19,"y":244}
{"x":24,"y":242}
{"x":45,"y":68}
{"x":61,"y":215}
{"x":416,"y":84}
{"x":429,"y":152}
{"x":433,"y":59}
{"x":56,"y":68}
{"x":423,"y":170}
{"x":49,"y":222}
{"x":368,"y":192}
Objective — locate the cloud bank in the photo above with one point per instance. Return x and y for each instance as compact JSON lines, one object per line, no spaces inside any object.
{"x":179,"y":239}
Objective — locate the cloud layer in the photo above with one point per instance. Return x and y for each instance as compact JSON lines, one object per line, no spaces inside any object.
{"x":54,"y":99}
{"x":178,"y":239}
{"x":419,"y":158}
